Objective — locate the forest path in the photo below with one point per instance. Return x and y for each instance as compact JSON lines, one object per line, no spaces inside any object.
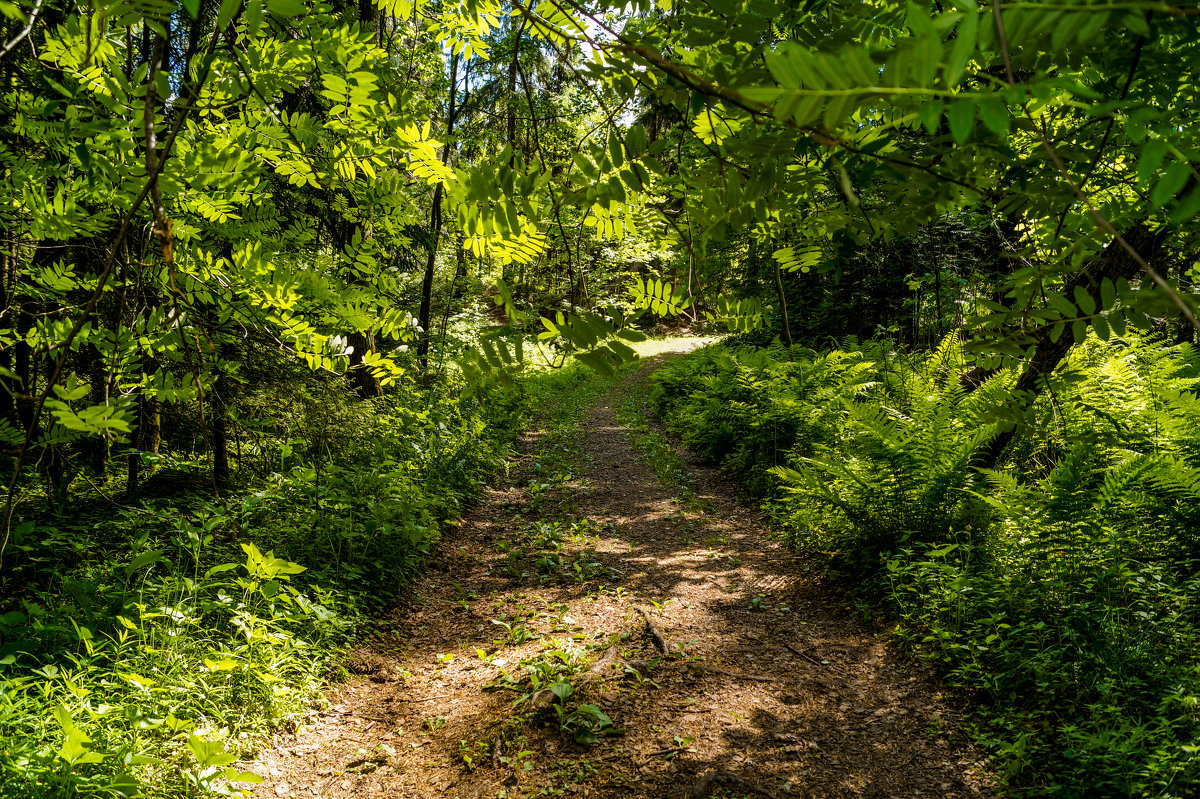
{"x":566,"y":574}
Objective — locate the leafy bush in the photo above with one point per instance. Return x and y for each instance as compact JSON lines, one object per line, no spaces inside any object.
{"x":374,"y":511}
{"x":162,"y":669}
{"x":1060,"y":591}
{"x":148,"y":648}
{"x":749,"y":409}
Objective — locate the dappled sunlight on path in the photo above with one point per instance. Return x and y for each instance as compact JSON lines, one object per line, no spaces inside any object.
{"x":770,"y":685}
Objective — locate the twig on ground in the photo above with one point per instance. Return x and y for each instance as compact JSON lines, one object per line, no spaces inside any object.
{"x":660,"y":641}
{"x":803,"y":655}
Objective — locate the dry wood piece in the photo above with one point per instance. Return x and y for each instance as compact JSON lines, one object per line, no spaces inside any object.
{"x":710,"y":780}
{"x":800,"y":654}
{"x":542,"y":699}
{"x":497,"y":751}
{"x":596,"y":672}
{"x":667,"y":752}
{"x":660,"y":641}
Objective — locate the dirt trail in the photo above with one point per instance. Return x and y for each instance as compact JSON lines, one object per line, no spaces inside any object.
{"x":774,"y":688}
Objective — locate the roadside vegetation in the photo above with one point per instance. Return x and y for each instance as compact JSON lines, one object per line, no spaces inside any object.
{"x":158,"y":638}
{"x":1058,"y":592}
{"x":279,"y":279}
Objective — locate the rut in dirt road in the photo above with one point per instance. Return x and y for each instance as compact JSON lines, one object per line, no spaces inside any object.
{"x":697,"y":656}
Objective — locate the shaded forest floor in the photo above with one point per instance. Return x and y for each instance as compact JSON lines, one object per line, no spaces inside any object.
{"x":702,"y":657}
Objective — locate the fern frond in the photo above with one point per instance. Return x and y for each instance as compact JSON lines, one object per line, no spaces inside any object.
{"x":1125,"y":477}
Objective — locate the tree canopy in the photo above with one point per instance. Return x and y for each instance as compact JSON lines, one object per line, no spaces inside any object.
{"x":186,"y":182}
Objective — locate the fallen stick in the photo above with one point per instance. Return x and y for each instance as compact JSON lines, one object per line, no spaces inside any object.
{"x":660,"y":641}
{"x":671,"y":750}
{"x":800,"y":654}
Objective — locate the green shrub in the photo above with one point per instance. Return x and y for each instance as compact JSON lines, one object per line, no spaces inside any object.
{"x":162,"y":668}
{"x":746,"y":410}
{"x":147,"y":648}
{"x":1060,"y":592}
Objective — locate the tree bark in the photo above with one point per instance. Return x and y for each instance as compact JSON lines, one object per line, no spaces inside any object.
{"x":147,"y":437}
{"x":1113,"y":263}
{"x":222,"y":396}
{"x":366,"y":384}
{"x":512,"y":91}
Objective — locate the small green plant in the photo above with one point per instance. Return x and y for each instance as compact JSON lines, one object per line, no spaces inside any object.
{"x":470,"y":753}
{"x":682,"y":746}
{"x":545,"y":683}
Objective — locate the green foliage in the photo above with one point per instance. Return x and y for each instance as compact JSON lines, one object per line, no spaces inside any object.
{"x":160,"y":651}
{"x":367,"y":503}
{"x":162,"y":654}
{"x":544,"y":682}
{"x":1059,"y":591}
{"x":746,"y":409}
{"x":211,"y":207}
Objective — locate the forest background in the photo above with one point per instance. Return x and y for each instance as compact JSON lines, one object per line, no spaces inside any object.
{"x":273,"y":271}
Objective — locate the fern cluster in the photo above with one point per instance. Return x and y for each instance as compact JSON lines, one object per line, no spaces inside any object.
{"x":1059,"y":589}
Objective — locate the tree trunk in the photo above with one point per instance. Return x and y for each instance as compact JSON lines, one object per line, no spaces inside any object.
{"x":147,"y":437}
{"x":365,"y":383}
{"x":460,"y":269}
{"x":1113,"y":263}
{"x":23,"y":355}
{"x":424,"y":316}
{"x":937,"y":298}
{"x":99,"y":382}
{"x":8,"y":387}
{"x":512,"y":91}
{"x":222,"y":396}
{"x":777,"y":278}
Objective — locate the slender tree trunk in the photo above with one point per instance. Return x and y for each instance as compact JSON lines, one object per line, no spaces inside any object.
{"x":512,"y":90}
{"x":460,"y":268}
{"x":99,"y":383}
{"x":222,"y":397}
{"x":753,"y":257}
{"x":23,"y":355}
{"x":424,"y":316}
{"x":147,"y":437}
{"x":365,"y":382}
{"x":937,"y":296}
{"x":8,"y":388}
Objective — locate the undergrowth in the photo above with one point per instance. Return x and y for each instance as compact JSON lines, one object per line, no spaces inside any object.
{"x":149,"y":642}
{"x":1058,"y":592}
